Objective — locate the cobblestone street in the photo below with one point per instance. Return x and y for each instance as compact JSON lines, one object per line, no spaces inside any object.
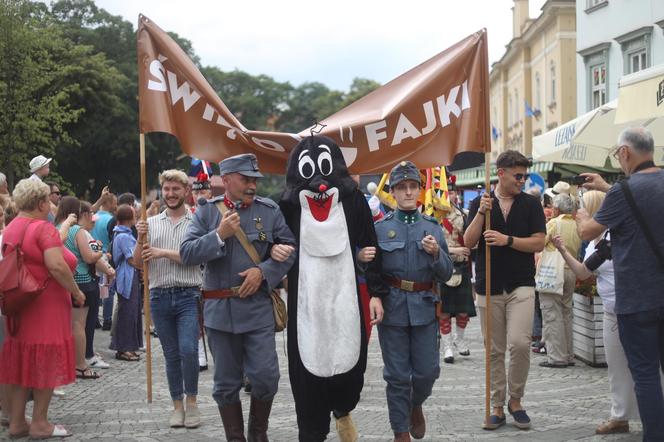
{"x":564,"y":404}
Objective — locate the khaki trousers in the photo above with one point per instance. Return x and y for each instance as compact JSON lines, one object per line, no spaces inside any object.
{"x":511,"y":327}
{"x":557,"y":321}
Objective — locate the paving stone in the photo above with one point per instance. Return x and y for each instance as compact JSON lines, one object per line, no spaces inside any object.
{"x":564,"y":404}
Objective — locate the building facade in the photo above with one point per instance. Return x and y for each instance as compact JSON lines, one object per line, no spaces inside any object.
{"x":533,"y":85}
{"x":615,"y":38}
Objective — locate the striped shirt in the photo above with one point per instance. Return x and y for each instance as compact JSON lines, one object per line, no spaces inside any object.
{"x":163,"y":272}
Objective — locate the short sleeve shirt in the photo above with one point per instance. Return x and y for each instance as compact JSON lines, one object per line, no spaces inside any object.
{"x":510,"y":268}
{"x":639,"y":276}
{"x":123,"y":250}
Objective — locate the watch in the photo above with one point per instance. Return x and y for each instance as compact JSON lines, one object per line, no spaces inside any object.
{"x":510,"y":241}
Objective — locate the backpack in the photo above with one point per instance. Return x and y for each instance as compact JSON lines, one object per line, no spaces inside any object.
{"x":18,"y":287}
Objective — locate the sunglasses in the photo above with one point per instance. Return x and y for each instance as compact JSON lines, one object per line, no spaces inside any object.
{"x":56,"y":193}
{"x":520,"y":176}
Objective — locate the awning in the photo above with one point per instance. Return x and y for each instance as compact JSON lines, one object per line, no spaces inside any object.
{"x":641,"y":95}
{"x":475,"y":175}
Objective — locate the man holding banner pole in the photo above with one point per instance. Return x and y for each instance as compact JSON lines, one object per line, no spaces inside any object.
{"x":518,"y":232}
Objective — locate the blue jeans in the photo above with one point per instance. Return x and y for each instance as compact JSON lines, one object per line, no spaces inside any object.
{"x":642,"y":338}
{"x":175,"y":315}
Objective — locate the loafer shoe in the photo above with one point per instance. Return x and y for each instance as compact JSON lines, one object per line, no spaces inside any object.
{"x":521,"y":419}
{"x":548,"y":364}
{"x":613,"y":427}
{"x":494,"y":422}
{"x":177,"y":419}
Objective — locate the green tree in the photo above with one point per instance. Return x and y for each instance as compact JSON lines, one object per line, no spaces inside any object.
{"x":358,"y":89}
{"x":35,"y":108}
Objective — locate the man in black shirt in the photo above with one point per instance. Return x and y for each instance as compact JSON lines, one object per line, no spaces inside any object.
{"x":518,"y":231}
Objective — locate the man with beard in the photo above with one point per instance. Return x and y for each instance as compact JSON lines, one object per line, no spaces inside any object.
{"x":174,"y":295}
{"x":238,"y":312}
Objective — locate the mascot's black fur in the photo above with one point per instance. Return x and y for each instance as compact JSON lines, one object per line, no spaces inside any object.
{"x":318,"y":170}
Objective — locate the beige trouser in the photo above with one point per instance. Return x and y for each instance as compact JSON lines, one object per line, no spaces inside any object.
{"x":557,"y":321}
{"x":511,"y":326}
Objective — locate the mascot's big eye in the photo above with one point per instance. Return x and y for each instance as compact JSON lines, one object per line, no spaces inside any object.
{"x":306,"y":166}
{"x":325,"y":163}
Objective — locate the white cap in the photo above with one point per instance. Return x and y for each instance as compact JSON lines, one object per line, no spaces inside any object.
{"x":561,"y":187}
{"x":38,"y":162}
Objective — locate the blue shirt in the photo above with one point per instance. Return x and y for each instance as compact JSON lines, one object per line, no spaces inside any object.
{"x":123,"y":250}
{"x":100,"y":230}
{"x":639,"y":276}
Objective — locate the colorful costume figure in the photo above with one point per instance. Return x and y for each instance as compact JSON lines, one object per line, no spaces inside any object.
{"x":328,"y":317}
{"x":457,"y":293}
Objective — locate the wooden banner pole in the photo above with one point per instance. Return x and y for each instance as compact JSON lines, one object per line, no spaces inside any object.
{"x":146,"y":285}
{"x":487,"y":310}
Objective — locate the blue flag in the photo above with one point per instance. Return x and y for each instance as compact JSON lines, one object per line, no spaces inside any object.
{"x":494,"y":133}
{"x":529,"y":110}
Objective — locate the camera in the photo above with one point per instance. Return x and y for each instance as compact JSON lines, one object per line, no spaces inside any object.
{"x":602,"y":253}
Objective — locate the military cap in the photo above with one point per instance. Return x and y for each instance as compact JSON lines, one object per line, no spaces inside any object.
{"x":245,"y":164}
{"x":405,"y":170}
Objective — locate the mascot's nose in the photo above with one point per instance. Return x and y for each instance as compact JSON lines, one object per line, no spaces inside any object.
{"x":318,"y":184}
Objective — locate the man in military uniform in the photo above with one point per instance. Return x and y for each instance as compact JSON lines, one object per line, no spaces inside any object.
{"x":238,"y":310}
{"x":415,"y":256}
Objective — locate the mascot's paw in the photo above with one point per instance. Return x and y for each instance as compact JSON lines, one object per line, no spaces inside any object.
{"x":346,"y":429}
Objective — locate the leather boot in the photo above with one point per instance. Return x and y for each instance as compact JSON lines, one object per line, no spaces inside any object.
{"x":231,"y":416}
{"x":259,"y":413}
{"x":401,"y":437}
{"x":417,"y":423}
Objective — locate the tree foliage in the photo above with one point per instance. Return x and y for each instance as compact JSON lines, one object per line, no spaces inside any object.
{"x":69,"y":86}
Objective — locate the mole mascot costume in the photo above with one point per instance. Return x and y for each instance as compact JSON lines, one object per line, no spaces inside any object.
{"x":328,"y":318}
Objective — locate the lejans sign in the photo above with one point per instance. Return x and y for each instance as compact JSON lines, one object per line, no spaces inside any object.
{"x":428,"y":115}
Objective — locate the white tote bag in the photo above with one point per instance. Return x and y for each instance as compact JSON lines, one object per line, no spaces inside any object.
{"x":550,"y":275}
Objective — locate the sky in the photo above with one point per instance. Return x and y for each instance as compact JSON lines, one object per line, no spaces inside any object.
{"x":329,"y":42}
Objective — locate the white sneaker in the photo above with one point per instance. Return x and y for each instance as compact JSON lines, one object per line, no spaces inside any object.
{"x":461,"y":346}
{"x":97,"y":362}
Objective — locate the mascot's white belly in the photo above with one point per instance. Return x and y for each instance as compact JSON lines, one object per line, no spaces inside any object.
{"x":328,"y":315}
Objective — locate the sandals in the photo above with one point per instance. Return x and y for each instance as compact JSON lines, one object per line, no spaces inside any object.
{"x":127,"y":356}
{"x":58,"y":431}
{"x":86,"y":373}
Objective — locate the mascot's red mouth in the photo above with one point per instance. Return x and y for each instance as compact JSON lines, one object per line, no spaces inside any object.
{"x":320,"y":208}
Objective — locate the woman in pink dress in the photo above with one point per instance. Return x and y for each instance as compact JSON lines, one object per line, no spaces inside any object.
{"x":38,"y":351}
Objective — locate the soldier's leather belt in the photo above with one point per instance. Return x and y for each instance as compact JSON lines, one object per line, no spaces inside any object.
{"x":221,"y":293}
{"x":409,"y":286}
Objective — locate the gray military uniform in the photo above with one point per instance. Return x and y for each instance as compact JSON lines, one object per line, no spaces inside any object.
{"x":240,"y":330}
{"x":409,"y":330}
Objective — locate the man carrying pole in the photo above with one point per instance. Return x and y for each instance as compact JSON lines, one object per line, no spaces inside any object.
{"x":174,"y":294}
{"x":518,"y":232}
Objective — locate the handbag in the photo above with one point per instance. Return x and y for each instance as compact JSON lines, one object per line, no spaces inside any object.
{"x":278,"y":305}
{"x":18,"y":287}
{"x":550,"y":275}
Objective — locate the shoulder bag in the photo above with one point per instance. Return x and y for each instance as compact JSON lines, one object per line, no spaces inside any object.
{"x":624,"y":185}
{"x":18,"y":287}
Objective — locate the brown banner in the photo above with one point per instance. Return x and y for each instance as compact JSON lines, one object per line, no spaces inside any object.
{"x":427,"y":115}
